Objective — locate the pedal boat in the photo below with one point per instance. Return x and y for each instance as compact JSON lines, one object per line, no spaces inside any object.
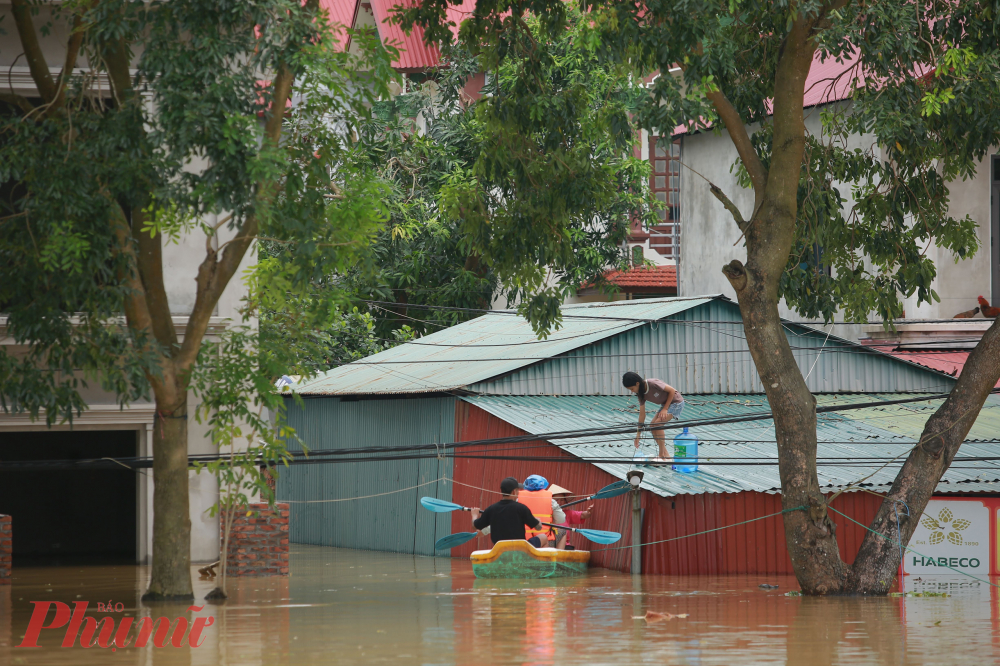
{"x":519,"y":559}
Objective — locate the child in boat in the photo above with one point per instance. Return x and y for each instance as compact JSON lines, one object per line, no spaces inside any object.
{"x":573,"y":518}
{"x":669,"y":399}
{"x":505,"y":520}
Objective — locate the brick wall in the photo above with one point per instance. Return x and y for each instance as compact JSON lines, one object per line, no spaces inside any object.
{"x":258,"y":543}
{"x":6,"y":549}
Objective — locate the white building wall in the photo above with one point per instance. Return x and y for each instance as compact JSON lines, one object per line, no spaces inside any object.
{"x":708,"y":232}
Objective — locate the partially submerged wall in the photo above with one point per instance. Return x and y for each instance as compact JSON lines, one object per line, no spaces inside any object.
{"x":258,"y":543}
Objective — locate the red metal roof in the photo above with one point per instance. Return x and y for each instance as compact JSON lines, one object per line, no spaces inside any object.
{"x":949,"y":362}
{"x":828,"y":81}
{"x":341,"y":13}
{"x":658,"y":279}
{"x":414,"y":55}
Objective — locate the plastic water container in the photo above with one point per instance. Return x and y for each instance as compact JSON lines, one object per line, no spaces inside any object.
{"x":685,"y":453}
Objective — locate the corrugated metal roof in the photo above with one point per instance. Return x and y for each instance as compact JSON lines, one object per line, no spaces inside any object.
{"x":948,"y":362}
{"x":873,"y":432}
{"x":699,"y":357}
{"x":341,"y":14}
{"x":422,"y":367}
{"x":414,"y":54}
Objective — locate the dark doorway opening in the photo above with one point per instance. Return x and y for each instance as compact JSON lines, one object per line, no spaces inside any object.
{"x":70,"y":516}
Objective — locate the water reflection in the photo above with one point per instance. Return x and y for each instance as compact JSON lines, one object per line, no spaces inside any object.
{"x":351,"y":607}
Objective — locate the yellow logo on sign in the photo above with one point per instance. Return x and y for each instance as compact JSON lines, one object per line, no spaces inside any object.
{"x":945,"y":523}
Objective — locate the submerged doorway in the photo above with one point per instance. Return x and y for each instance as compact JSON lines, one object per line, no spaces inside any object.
{"x":70,"y":516}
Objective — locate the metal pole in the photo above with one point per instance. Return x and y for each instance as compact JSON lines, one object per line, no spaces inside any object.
{"x":636,"y":532}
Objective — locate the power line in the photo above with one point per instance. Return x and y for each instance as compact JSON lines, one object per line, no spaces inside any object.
{"x":443,"y":449}
{"x":647,"y":320}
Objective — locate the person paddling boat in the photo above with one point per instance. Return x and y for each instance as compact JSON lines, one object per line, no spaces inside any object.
{"x":508,"y":518}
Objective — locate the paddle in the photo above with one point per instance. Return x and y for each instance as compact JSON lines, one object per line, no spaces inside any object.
{"x":440,"y":506}
{"x":611,"y":490}
{"x":453,"y":540}
{"x":597,"y":536}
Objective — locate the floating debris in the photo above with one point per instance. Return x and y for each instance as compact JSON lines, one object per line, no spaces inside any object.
{"x":652,"y":616}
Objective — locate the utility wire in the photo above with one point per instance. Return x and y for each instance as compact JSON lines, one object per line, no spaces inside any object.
{"x":442,"y":450}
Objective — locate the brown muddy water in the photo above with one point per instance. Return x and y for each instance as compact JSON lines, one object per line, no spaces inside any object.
{"x":353,"y":607}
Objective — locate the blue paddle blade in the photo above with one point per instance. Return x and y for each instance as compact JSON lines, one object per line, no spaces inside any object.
{"x":439,"y":506}
{"x":452,"y":540}
{"x":613,"y":490}
{"x":597,"y":536}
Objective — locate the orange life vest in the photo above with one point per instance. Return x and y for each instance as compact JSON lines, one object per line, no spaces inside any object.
{"x":540,"y":503}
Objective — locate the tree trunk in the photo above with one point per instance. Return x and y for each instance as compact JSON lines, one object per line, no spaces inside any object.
{"x":809,"y":533}
{"x":878,"y":560}
{"x":171,"y":575}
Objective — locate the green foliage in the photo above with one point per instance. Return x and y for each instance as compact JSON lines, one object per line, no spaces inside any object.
{"x":178,"y":152}
{"x":924,"y":88}
{"x":68,"y":176}
{"x":544,"y":186}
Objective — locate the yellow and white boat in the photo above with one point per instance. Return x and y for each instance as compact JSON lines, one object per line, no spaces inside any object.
{"x":519,"y":559}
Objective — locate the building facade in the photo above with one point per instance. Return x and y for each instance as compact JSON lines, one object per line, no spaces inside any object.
{"x":453,"y":413}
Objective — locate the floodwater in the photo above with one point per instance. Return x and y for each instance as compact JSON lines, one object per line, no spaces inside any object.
{"x":353,"y":607}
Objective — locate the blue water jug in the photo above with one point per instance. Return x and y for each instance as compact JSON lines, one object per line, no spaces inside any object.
{"x":685,"y":453}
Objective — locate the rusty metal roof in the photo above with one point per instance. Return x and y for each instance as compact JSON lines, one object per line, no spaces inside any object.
{"x":846,"y":439}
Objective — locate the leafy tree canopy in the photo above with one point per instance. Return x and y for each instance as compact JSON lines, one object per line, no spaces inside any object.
{"x":923,"y":85}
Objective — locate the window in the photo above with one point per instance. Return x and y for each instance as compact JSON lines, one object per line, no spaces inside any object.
{"x":665,"y":155}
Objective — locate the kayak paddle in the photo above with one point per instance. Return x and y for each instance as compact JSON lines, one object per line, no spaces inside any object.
{"x":440,"y":506}
{"x":611,"y":490}
{"x":597,"y":536}
{"x":453,"y":540}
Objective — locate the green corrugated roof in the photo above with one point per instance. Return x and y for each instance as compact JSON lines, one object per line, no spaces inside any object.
{"x":872,"y":432}
{"x":422,"y":367}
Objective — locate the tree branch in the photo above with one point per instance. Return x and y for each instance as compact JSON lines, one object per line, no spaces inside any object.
{"x":115,"y":55}
{"x":72,"y":51}
{"x":741,"y":139}
{"x":215,"y":272}
{"x":18,"y":101}
{"x":150,"y":264}
{"x":33,"y":51}
{"x":136,"y":309}
{"x":730,"y":206}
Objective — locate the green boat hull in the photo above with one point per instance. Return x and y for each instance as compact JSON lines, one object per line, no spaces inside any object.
{"x":512,"y":559}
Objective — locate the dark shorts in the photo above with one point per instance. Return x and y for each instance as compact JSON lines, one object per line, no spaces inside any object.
{"x":535,"y":541}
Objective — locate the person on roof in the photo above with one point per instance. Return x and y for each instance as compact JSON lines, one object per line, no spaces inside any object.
{"x":507,"y":519}
{"x":669,"y":399}
{"x":573,"y":518}
{"x":533,"y":494}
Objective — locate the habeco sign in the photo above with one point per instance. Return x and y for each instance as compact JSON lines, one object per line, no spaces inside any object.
{"x":952,"y":535}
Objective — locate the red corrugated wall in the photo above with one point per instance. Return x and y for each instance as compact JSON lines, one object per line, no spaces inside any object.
{"x":754,"y":548}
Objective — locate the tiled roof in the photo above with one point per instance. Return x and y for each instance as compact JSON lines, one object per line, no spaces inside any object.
{"x":658,"y":279}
